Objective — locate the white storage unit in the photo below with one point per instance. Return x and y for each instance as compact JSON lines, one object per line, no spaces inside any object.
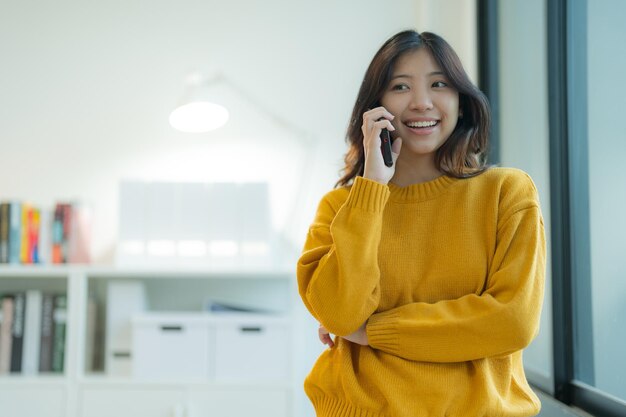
{"x":33,"y":397}
{"x":124,"y":298}
{"x":250,"y":402}
{"x":171,"y":346}
{"x":183,"y":364}
{"x":132,"y":402}
{"x":252,"y":348}
{"x":221,"y":347}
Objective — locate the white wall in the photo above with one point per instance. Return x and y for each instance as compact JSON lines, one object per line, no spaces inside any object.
{"x":456,"y":21}
{"x":86,"y":89}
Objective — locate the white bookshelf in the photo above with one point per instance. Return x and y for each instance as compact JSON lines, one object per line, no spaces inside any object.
{"x":83,"y":392}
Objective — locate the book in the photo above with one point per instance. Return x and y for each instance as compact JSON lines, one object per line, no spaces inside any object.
{"x":45,"y":236}
{"x":15,"y":232}
{"x":33,"y":235}
{"x":4,"y":232}
{"x":60,"y":229}
{"x":6,"y":336}
{"x":47,"y":333}
{"x":32,"y":330}
{"x":79,"y":235}
{"x":67,"y":230}
{"x":24,"y":233}
{"x":19,"y":304}
{"x":58,"y":339}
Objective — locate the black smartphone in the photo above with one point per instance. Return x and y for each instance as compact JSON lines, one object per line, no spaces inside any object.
{"x":385,"y":147}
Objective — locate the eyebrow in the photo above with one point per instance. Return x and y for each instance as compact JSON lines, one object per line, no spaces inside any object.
{"x":430,"y":74}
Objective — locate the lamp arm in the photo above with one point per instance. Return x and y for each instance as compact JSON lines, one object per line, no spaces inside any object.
{"x":300,"y":133}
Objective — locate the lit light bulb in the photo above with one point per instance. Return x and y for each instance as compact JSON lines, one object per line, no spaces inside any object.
{"x":198,"y":117}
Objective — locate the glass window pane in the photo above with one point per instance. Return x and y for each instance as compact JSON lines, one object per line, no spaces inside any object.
{"x":600,"y":300}
{"x":524,"y":135}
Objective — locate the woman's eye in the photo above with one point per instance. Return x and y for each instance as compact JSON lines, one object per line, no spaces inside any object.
{"x":400,"y":87}
{"x":440,"y":84}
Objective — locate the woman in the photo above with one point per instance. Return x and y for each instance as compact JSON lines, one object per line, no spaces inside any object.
{"x":430,"y":272}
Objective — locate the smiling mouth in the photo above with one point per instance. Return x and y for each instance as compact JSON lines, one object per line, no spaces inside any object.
{"x":422,"y":125}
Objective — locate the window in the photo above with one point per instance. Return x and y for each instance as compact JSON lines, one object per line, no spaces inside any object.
{"x":561,"y":98}
{"x":524,"y":137}
{"x":589,"y":189}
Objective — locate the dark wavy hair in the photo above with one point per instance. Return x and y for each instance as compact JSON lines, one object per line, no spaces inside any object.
{"x":464,"y":153}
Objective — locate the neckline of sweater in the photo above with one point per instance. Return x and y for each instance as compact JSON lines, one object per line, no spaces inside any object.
{"x":421,"y":191}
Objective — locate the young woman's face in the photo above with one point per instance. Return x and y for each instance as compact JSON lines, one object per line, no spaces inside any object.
{"x":425,"y":105}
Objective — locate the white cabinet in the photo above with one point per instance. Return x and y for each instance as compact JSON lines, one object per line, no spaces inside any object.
{"x":171,"y":346}
{"x":185,"y":361}
{"x":239,"y":402}
{"x":252,"y":349}
{"x":195,"y":400}
{"x":32,"y":398}
{"x":132,"y":402}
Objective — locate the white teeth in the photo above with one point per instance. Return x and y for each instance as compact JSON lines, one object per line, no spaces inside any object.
{"x":422,"y":124}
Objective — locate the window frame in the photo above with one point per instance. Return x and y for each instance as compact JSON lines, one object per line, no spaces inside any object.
{"x":571,"y":273}
{"x":570,"y":251}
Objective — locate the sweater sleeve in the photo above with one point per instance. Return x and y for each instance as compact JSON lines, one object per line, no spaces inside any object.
{"x":502,"y":319}
{"x":338,"y":273}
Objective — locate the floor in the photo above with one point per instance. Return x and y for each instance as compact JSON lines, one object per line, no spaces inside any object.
{"x":552,"y":408}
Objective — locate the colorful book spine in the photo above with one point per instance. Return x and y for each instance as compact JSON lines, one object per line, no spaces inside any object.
{"x":19,"y":307}
{"x":67,"y":229}
{"x":24,"y":235}
{"x":57,"y":235}
{"x":58,"y":344}
{"x":33,"y":235}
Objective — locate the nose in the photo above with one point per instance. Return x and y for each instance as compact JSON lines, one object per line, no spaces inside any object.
{"x":421,"y":100}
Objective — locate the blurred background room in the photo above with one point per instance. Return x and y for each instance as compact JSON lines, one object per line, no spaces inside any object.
{"x":147,"y":264}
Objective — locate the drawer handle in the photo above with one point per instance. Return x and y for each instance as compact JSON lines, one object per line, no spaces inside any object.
{"x":121,"y":354}
{"x":251,"y":329}
{"x":172,"y":328}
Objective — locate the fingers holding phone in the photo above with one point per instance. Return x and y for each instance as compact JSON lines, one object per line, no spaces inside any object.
{"x":385,"y":147}
{"x":380,"y":155}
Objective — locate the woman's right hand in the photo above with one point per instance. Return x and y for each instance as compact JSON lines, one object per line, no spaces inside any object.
{"x":374,"y":121}
{"x":325,"y":336}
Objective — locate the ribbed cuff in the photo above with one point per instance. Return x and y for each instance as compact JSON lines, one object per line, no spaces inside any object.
{"x":382,"y":332}
{"x":331,"y":407}
{"x":368,"y":195}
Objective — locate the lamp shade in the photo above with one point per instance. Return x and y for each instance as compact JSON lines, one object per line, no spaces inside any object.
{"x":198,"y":117}
{"x":196,"y":112}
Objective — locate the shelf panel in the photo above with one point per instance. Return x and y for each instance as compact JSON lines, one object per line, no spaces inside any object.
{"x":192,"y":273}
{"x":103,"y":381}
{"x":36,"y":271}
{"x":17,"y":380}
{"x":98,"y":271}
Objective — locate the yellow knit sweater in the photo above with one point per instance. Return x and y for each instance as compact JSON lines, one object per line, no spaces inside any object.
{"x":449,"y":276}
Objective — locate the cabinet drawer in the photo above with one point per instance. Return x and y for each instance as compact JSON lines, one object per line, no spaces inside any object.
{"x":130,"y":402}
{"x":32,"y":401}
{"x":239,"y":402}
{"x":170,"y":347}
{"x":252,"y":349}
